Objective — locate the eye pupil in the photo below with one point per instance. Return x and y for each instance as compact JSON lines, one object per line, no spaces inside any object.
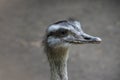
{"x":63,"y":32}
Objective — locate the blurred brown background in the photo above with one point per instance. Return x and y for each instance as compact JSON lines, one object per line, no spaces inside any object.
{"x":22,"y":26}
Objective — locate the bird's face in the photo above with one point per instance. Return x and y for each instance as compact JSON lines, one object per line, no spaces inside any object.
{"x":66,"y":33}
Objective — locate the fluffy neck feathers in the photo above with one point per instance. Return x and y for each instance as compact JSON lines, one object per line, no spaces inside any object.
{"x":57,"y":58}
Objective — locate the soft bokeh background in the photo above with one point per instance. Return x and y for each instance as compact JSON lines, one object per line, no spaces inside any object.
{"x":22,"y":26}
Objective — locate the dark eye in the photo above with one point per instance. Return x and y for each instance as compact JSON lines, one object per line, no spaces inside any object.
{"x":62,"y":32}
{"x":59,"y":33}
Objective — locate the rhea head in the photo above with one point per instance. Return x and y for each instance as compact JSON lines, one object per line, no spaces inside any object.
{"x":67,"y":32}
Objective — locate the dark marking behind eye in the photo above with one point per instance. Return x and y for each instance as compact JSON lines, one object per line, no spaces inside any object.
{"x":50,"y":34}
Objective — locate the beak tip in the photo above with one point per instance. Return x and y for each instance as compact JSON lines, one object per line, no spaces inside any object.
{"x":98,"y":39}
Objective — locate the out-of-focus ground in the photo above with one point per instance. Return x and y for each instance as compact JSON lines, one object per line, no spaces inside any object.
{"x":22,"y":26}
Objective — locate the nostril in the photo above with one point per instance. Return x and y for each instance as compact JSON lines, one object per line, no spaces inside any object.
{"x":87,"y":38}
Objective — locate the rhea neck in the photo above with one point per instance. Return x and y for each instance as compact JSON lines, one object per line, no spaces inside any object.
{"x":57,"y":58}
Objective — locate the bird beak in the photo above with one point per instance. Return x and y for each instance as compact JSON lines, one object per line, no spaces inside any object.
{"x":85,"y":39}
{"x":90,"y":39}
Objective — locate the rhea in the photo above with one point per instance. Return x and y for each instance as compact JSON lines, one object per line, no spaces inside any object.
{"x":59,"y":36}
